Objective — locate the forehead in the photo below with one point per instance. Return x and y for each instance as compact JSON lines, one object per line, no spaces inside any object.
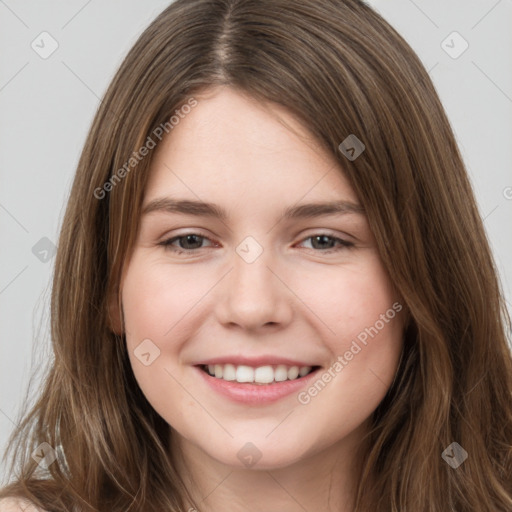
{"x":231,"y":148}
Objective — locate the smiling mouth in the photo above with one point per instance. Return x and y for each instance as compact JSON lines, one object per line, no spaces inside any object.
{"x":262,"y":375}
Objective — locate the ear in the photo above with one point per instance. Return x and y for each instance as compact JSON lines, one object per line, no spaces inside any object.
{"x":115,"y":314}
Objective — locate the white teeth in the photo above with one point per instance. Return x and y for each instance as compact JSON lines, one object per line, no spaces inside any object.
{"x":261,"y":375}
{"x":281,"y":373}
{"x":293,"y":372}
{"x":229,"y":372}
{"x":264,"y":374}
{"x":244,"y":374}
{"x":304,"y":370}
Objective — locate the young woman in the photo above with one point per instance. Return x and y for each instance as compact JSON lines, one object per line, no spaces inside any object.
{"x":273,"y":289}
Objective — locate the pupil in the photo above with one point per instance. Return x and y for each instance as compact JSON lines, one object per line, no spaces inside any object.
{"x":194,"y":239}
{"x":323,"y":239}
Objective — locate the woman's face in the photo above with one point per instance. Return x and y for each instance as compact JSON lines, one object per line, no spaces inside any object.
{"x":234,"y":268}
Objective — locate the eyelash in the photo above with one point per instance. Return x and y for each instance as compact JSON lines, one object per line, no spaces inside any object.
{"x":167,"y":243}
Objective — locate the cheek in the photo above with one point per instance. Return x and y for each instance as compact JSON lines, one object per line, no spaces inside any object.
{"x":157,"y":301}
{"x":361,"y":325}
{"x":348,"y":300}
{"x":364,"y":336}
{"x":157,"y":305}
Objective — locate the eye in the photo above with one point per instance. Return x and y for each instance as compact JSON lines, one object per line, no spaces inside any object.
{"x":186,"y":243}
{"x":191,"y":242}
{"x":326,"y":243}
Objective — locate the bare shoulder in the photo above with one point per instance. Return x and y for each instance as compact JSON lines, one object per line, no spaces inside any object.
{"x":17,"y":505}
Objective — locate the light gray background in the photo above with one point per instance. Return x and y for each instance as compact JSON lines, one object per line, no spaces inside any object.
{"x":47,"y":105}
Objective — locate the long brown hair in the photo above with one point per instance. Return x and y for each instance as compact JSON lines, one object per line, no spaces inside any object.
{"x":341,"y":69}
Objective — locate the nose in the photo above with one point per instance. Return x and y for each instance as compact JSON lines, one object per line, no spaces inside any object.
{"x":253,"y":295}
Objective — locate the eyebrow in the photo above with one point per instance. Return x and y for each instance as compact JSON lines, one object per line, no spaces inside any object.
{"x":204,"y":209}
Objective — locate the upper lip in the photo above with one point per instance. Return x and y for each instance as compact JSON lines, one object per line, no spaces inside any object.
{"x":255,"y":362}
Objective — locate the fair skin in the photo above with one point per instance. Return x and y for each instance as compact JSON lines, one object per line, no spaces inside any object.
{"x":305,"y":298}
{"x":17,"y":505}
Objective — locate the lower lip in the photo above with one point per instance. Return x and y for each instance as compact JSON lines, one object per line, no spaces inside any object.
{"x":255,"y":394}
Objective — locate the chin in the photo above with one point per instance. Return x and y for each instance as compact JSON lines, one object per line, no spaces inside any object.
{"x":259,"y":454}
